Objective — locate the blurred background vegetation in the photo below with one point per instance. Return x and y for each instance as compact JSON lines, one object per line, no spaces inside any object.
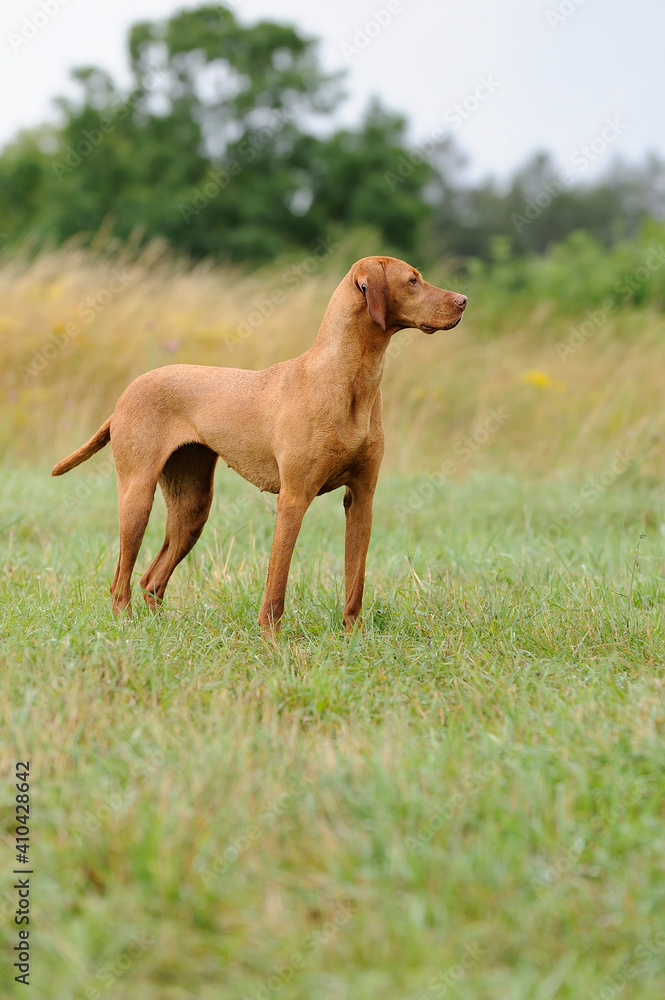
{"x":206,"y":215}
{"x":222,"y":148}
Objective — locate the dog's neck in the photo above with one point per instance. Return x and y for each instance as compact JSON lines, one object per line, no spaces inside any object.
{"x":355,"y":342}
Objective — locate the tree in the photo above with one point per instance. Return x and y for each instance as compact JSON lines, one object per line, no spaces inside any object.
{"x":541,"y":206}
{"x":210,"y":150}
{"x":223,"y":147}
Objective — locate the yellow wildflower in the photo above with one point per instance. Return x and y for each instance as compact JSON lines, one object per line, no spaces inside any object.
{"x":536,"y":376}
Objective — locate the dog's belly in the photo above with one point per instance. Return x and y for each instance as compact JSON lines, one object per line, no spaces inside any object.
{"x":265,"y":475}
{"x":263,"y":471}
{"x":259,"y":469}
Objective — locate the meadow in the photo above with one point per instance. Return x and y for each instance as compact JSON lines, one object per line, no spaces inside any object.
{"x":464,"y":799}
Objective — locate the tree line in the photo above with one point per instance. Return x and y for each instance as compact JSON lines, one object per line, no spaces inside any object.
{"x":220,"y":147}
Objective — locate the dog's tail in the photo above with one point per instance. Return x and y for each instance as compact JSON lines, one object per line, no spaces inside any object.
{"x":96,"y":443}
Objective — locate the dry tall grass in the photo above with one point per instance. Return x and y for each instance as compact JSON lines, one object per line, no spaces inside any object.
{"x":77,"y":325}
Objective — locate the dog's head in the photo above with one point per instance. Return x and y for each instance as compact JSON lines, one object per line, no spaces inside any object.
{"x":397,"y":296}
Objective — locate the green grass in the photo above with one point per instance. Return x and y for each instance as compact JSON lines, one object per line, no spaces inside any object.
{"x":464,"y":800}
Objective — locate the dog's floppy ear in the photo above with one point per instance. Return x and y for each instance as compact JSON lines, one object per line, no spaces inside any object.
{"x":370,"y":278}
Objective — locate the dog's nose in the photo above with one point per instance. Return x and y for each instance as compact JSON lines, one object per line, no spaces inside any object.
{"x":460,"y":301}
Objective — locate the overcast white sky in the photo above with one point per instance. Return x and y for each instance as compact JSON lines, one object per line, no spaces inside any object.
{"x":555,"y":70}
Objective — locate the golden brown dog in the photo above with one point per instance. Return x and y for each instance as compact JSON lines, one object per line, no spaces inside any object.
{"x":298,"y":429}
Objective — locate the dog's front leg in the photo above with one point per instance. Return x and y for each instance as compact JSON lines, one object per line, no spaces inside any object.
{"x":291,"y":509}
{"x":358,"y":500}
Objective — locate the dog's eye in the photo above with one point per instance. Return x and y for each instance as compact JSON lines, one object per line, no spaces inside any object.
{"x":413,"y":281}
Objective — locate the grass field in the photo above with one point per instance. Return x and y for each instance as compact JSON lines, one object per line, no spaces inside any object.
{"x":464,"y":800}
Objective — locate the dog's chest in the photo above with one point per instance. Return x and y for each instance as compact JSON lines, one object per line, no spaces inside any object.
{"x":341,"y":454}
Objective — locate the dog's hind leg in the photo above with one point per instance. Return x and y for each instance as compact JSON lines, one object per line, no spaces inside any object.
{"x":135,"y":500}
{"x":187,"y":481}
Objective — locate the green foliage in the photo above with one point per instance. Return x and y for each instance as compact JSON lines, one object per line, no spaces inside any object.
{"x":209,"y":150}
{"x":575,"y":278}
{"x":541,"y":206}
{"x":223,"y":146}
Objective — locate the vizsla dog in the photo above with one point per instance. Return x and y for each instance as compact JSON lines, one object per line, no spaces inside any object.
{"x":298,"y":429}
